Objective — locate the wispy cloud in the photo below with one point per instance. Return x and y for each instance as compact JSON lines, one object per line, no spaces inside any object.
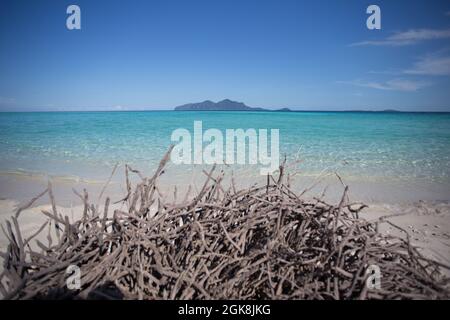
{"x":394,"y":84}
{"x":431,"y":65}
{"x":386,"y":72}
{"x":407,"y":38}
{"x":447,"y":13}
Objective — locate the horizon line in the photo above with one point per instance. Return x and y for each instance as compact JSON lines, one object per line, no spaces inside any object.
{"x":249,"y":111}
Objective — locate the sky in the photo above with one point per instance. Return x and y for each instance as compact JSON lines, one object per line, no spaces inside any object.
{"x":305,"y":55}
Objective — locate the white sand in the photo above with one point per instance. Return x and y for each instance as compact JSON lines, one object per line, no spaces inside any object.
{"x":427,"y":222}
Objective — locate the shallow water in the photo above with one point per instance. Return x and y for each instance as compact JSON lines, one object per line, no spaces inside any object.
{"x":409,"y":148}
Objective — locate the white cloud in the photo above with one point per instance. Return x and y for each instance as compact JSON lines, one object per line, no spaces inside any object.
{"x":447,"y":13}
{"x":393,"y":85}
{"x":431,"y":65}
{"x":407,"y":38}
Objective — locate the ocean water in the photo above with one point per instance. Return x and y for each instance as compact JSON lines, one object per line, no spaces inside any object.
{"x":408,"y":147}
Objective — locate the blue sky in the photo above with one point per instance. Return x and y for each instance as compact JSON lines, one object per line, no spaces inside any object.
{"x":315,"y":55}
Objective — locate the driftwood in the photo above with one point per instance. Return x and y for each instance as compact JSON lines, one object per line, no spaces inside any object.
{"x":258,"y":243}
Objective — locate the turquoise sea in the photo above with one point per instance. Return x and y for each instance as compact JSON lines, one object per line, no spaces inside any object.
{"x":359,"y":145}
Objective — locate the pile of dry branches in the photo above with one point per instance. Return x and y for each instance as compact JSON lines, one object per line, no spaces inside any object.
{"x":258,"y":243}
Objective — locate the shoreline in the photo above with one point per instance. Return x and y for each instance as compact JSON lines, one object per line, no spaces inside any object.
{"x":23,"y":185}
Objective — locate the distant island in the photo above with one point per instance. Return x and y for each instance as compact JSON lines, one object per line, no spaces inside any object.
{"x":224,"y":105}
{"x":230,"y":105}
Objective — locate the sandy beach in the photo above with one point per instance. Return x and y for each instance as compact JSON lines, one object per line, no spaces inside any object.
{"x":418,"y":211}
